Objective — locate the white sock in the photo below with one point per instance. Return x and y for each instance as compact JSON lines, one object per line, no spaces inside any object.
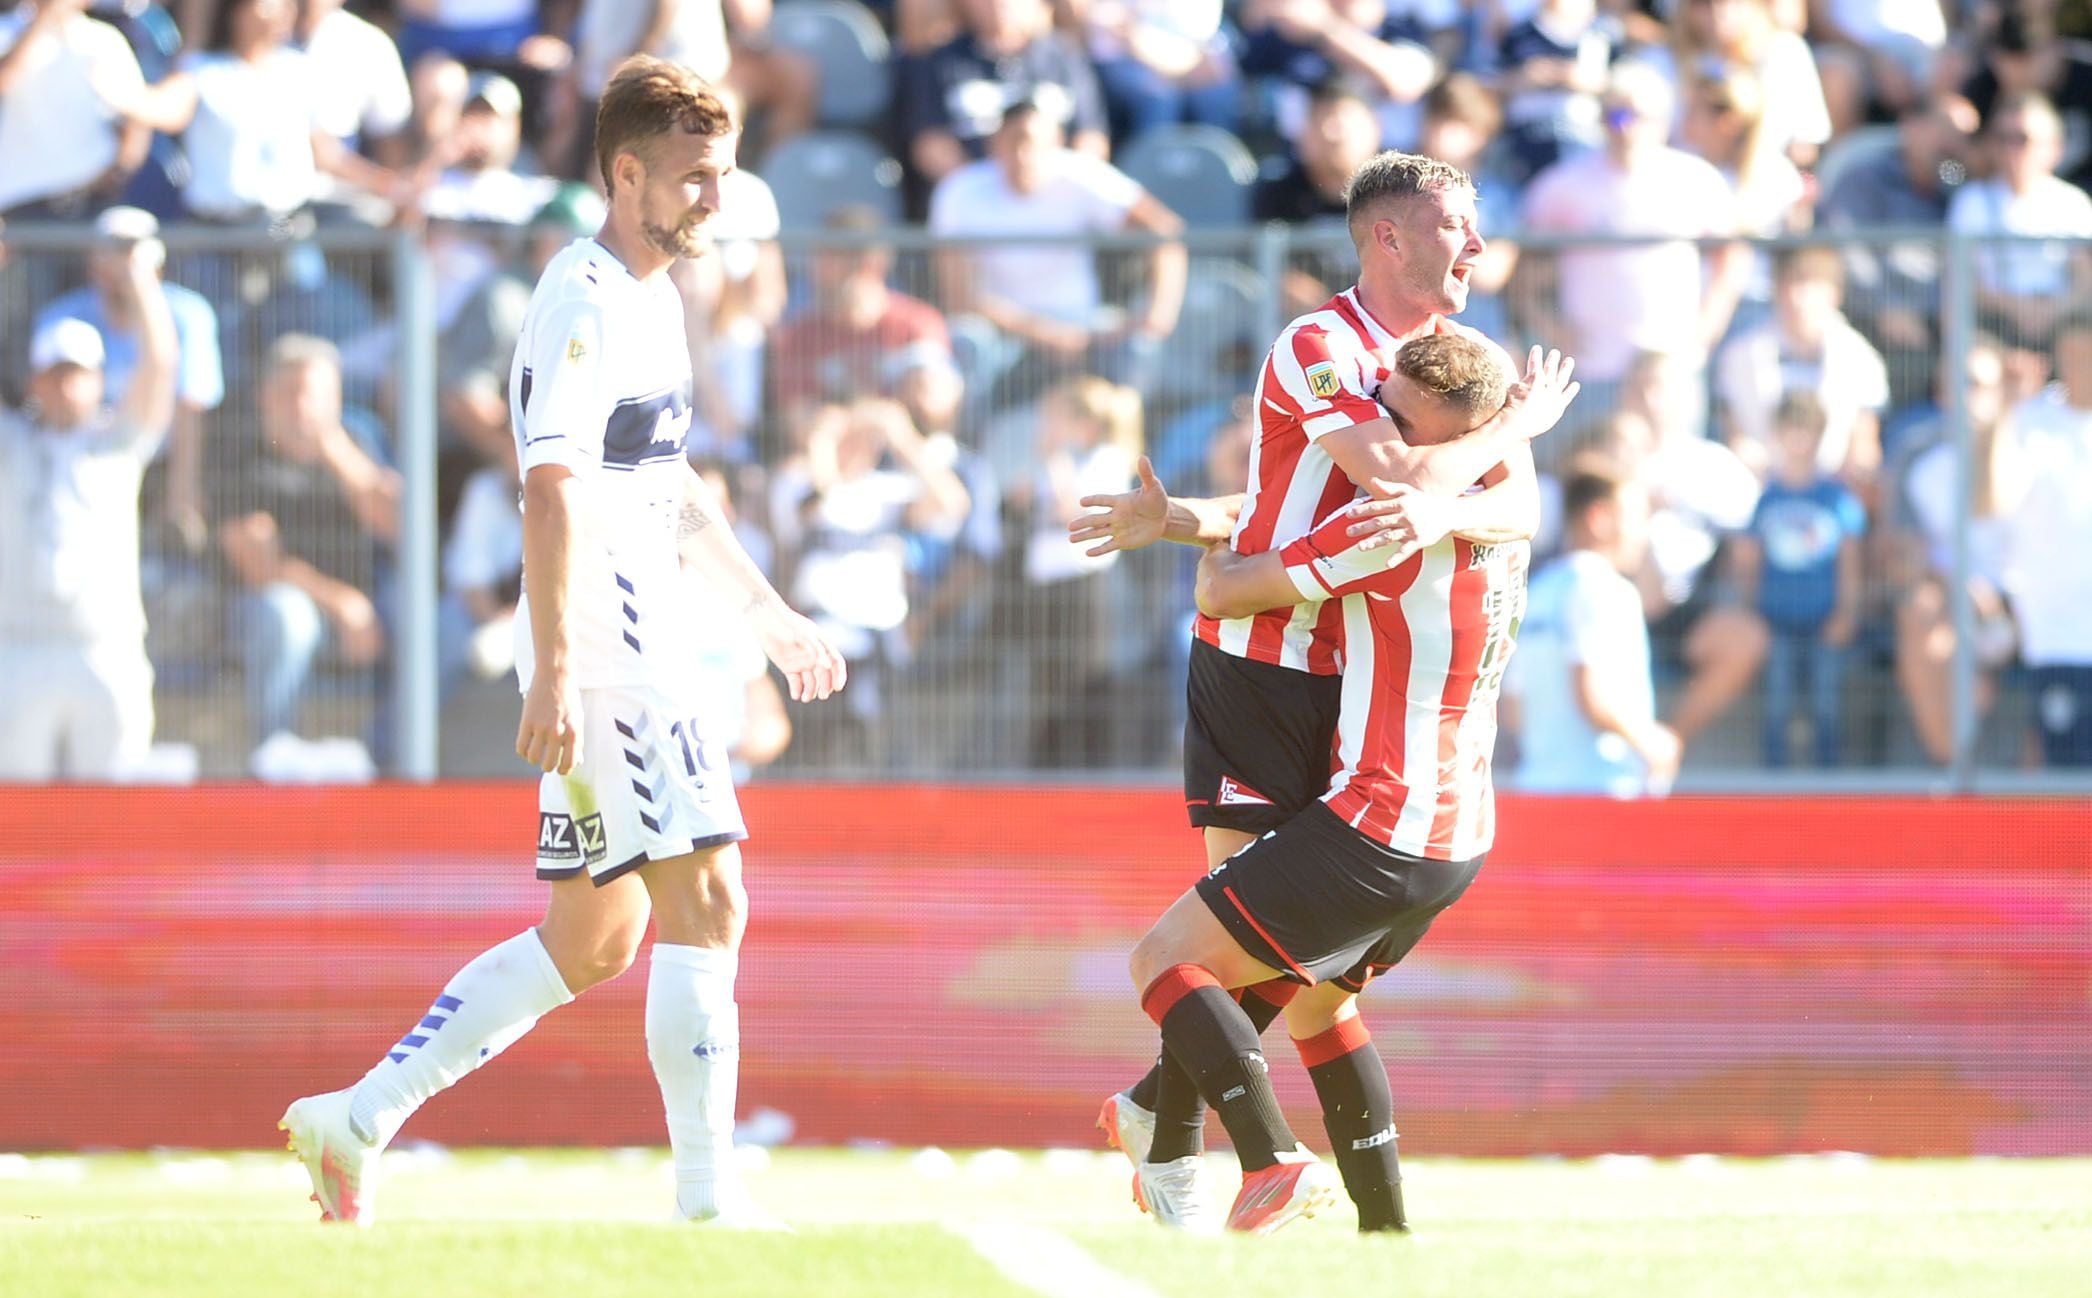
{"x":693,"y":1036}
{"x":486,"y":1008}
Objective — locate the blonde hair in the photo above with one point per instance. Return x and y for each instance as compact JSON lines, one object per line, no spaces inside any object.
{"x":1744,"y":95}
{"x":646,"y":99}
{"x":1456,"y":369}
{"x":1115,"y":410}
{"x":1392,"y":176}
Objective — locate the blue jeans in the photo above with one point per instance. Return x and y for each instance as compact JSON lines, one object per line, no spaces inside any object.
{"x":1797,"y":660}
{"x":2063,"y":711}
{"x":281,"y":631}
{"x":1140,"y":99}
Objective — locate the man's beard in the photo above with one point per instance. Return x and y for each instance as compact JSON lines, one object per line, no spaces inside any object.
{"x":677,"y":241}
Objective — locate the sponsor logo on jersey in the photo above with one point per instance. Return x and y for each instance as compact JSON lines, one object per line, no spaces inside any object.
{"x":562,"y":838}
{"x":1234,"y":793}
{"x":1483,"y":556}
{"x":1322,"y":379}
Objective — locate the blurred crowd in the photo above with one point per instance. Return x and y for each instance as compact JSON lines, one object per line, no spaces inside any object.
{"x":1756,"y":501}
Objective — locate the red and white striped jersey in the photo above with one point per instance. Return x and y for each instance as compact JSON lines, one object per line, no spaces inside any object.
{"x":1323,"y":375}
{"x":1423,"y":647}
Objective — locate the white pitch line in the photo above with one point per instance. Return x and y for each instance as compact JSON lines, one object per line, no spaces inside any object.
{"x":1045,"y":1263}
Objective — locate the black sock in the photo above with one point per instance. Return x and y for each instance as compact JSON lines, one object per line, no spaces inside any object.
{"x":1358,"y":1112}
{"x":1147,"y":1092}
{"x":1212,"y":1038}
{"x":1180,"y":1115}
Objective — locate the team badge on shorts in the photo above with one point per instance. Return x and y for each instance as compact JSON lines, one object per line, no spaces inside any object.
{"x":1322,"y":379}
{"x":563,"y":838}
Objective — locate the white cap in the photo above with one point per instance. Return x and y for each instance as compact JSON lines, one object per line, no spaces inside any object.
{"x":496,"y":92}
{"x":67,"y":342}
{"x":127,"y":224}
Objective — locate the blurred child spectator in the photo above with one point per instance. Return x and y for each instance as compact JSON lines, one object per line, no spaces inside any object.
{"x":75,"y":684}
{"x":954,"y":98}
{"x":107,"y":302}
{"x":2041,"y":472}
{"x":1807,"y":346}
{"x":2021,"y":289}
{"x":1713,"y":36}
{"x":1582,"y":676}
{"x":1553,"y":68}
{"x":1044,"y":302}
{"x":1088,"y":440}
{"x":1341,"y":133}
{"x":63,"y":153}
{"x":309,"y":519}
{"x":1161,"y":62}
{"x":1297,"y":44}
{"x":1617,"y":301}
{"x":1799,"y":565}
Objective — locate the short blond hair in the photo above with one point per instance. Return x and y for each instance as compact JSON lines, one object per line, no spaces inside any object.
{"x":646,"y":99}
{"x":1392,"y":176}
{"x":1458,"y":370}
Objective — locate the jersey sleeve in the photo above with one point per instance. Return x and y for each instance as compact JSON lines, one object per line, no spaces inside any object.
{"x":1328,"y":562}
{"x":565,"y":410}
{"x":1321,"y":382}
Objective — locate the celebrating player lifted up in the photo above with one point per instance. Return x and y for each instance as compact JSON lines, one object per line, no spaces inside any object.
{"x":1263,"y":691}
{"x":637,"y":811}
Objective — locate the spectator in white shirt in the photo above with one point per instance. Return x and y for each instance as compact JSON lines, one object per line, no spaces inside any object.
{"x":75,"y":684}
{"x":62,"y":152}
{"x":1749,"y":34}
{"x":1808,"y":346}
{"x":1618,"y":301}
{"x":1043,"y":301}
{"x":2041,"y":472}
{"x":250,"y":111}
{"x":364,"y":100}
{"x":1582,"y":675}
{"x":2021,"y":289}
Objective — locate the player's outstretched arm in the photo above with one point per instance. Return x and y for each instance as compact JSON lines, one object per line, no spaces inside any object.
{"x":813,"y":667}
{"x":1376,"y":451}
{"x":1133,"y":520}
{"x":549,"y":736}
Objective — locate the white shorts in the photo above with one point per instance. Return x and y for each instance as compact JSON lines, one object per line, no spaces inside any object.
{"x":647,"y":787}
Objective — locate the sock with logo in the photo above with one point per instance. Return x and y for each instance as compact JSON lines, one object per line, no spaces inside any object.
{"x":1212,"y":1039}
{"x":693,"y":1037}
{"x":485,"y":1008}
{"x":1358,"y":1112}
{"x":1262,"y":1003}
{"x":1180,"y":1115}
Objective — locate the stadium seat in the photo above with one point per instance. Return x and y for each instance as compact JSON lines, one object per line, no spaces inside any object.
{"x":848,"y":47}
{"x":1201,"y":173}
{"x":814,"y":174}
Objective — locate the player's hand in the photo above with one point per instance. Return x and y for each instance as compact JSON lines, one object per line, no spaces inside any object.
{"x":1537,"y":402}
{"x":1406,"y":518}
{"x":1126,"y":520}
{"x":549,"y":737}
{"x":812,"y":666}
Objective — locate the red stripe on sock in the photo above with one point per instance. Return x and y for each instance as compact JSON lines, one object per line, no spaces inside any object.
{"x":1278,"y":992}
{"x":1348,"y":1035}
{"x":1176,"y":982}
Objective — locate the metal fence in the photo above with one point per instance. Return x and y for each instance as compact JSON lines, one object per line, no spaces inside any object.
{"x":981,"y":646}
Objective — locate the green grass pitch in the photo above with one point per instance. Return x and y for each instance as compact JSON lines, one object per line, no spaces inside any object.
{"x":589,"y":1225}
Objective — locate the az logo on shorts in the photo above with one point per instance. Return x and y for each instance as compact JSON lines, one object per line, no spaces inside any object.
{"x":562,"y":838}
{"x":1322,"y":379}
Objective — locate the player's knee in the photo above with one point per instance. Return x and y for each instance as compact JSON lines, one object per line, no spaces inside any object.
{"x":595,"y":959}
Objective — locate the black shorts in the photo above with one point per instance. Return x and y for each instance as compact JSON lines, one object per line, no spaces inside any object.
{"x":1258,"y":740}
{"x":1321,"y":901}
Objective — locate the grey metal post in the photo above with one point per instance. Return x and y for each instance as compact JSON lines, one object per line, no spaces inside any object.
{"x":1957,"y":331}
{"x":414,"y":662}
{"x":1273,"y":241}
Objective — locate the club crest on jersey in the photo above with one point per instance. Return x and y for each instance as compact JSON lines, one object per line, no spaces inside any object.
{"x":576,"y":349}
{"x":1322,"y":379}
{"x":562,"y":838}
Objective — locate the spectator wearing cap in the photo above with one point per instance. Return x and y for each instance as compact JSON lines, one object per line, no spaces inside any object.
{"x":249,"y":110}
{"x":364,"y":100}
{"x":1617,"y":301}
{"x":952,"y":99}
{"x":2020,"y":290}
{"x":1162,"y":62}
{"x":858,"y":334}
{"x":1043,"y":302}
{"x":62,"y":152}
{"x":75,"y":684}
{"x":108,"y":304}
{"x":1293,"y":45}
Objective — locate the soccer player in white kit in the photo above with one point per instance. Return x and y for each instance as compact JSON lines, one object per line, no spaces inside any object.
{"x":636,"y":810}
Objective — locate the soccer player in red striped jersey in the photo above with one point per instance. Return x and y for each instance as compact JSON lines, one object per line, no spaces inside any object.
{"x":1344,"y":888}
{"x":1263,"y":690}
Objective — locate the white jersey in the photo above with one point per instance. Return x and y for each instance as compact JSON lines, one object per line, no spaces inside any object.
{"x":601,"y":384}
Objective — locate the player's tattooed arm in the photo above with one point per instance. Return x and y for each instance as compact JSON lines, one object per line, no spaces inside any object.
{"x":1132,"y":520}
{"x":694,"y":519}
